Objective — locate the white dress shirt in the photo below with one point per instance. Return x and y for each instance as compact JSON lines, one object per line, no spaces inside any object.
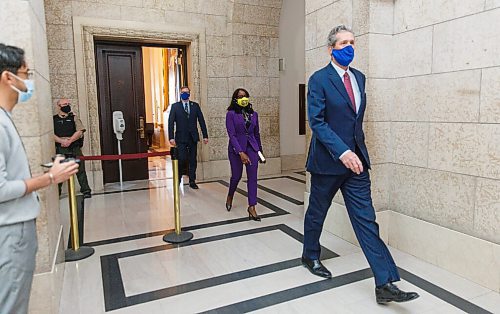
{"x":355,"y":89}
{"x":354,"y":83}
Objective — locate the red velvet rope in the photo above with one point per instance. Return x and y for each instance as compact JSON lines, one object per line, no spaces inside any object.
{"x":124,"y":156}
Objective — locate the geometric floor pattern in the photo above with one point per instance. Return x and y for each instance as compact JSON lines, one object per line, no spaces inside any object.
{"x":233,"y":265}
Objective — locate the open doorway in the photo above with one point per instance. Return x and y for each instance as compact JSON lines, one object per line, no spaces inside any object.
{"x":164,"y":71}
{"x":140,"y":80}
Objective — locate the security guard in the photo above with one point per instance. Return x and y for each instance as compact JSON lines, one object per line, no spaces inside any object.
{"x":69,"y":131}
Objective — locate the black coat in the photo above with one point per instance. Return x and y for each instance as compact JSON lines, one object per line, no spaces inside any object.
{"x":186,"y":129}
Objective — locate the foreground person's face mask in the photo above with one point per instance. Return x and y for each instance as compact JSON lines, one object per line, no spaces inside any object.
{"x":24,"y":96}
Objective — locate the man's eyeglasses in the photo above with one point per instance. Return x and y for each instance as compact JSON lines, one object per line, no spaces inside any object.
{"x":29,"y":73}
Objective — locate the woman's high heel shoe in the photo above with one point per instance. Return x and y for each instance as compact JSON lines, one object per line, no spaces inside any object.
{"x":251,"y":216}
{"x":229,"y":203}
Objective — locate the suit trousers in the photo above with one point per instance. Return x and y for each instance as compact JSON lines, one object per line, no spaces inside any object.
{"x":237,"y":171}
{"x":356,"y":190}
{"x":18,"y":244}
{"x":187,"y":155}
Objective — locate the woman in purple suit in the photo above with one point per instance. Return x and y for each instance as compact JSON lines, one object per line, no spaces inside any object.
{"x":242,"y":124}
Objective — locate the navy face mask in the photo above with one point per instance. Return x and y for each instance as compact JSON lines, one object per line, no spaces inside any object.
{"x":343,"y":56}
{"x":185,"y":96}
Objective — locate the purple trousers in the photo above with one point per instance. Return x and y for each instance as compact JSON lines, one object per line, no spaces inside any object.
{"x":237,"y":170}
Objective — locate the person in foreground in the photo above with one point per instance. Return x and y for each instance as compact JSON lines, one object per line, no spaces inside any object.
{"x":19,"y":205}
{"x":242,"y":124}
{"x":184,"y":116}
{"x":338,"y":159}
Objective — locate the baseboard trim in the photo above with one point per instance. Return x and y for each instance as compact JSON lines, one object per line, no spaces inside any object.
{"x":293,"y":162}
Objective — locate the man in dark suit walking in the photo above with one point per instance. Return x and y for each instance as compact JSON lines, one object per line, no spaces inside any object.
{"x":185,"y":114}
{"x":338,"y":159}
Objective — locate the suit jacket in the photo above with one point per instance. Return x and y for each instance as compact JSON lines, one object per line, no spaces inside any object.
{"x":186,"y":128}
{"x":239,"y":136}
{"x":335,"y":125}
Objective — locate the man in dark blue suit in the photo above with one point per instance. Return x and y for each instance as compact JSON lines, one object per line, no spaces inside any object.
{"x":338,"y":159}
{"x":185,"y":114}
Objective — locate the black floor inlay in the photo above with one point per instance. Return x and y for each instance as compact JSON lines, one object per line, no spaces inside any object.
{"x":114,"y":291}
{"x":277,"y":211}
{"x":294,"y":293}
{"x":316,"y":287}
{"x":115,"y":298}
{"x":280,"y":195}
{"x":441,"y":293}
{"x":283,"y":177}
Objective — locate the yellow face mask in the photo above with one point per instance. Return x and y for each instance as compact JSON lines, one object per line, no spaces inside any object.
{"x":243,"y":102}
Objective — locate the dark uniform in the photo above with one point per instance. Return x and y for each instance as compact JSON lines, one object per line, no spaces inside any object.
{"x":66,"y":127}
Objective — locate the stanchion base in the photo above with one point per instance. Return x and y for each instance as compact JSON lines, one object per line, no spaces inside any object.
{"x":83,"y":252}
{"x":178,"y":238}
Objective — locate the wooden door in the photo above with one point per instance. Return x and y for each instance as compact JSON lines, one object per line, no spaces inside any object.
{"x":121,"y":88}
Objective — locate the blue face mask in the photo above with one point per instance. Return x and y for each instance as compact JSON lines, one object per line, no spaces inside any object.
{"x":185,"y":95}
{"x":343,"y":56}
{"x":30,"y":88}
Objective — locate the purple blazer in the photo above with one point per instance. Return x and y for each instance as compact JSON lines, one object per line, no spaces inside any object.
{"x":239,"y":136}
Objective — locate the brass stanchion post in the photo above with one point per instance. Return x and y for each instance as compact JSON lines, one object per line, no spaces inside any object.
{"x":76,"y":252}
{"x":75,"y":235}
{"x":178,"y":236}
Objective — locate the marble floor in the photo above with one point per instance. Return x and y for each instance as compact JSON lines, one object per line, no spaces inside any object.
{"x":234,"y":265}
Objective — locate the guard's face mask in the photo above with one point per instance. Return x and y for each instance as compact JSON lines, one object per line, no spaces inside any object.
{"x":66,"y":109}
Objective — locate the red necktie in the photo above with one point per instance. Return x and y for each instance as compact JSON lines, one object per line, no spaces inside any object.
{"x":348,"y":87}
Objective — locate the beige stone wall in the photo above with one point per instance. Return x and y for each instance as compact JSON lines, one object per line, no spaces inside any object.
{"x":238,"y":46}
{"x":23,"y":25}
{"x":433,"y":115}
{"x":250,"y":60}
{"x":446,"y":128}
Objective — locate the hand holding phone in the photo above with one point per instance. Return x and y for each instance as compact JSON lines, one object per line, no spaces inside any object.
{"x":61,"y":169}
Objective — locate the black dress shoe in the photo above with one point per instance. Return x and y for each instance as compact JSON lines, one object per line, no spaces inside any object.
{"x":87,"y":195}
{"x":316,"y":268}
{"x":391,"y":293}
{"x":193,"y":185}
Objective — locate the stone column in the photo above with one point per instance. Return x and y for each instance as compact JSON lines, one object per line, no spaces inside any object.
{"x":23,"y":25}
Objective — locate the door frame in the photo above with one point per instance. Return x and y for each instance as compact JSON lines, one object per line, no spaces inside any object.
{"x":136,"y":43}
{"x":115,"y":47}
{"x":87,"y":30}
